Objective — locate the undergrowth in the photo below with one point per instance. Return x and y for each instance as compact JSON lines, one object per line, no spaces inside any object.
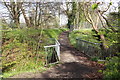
{"x":112,"y":71}
{"x":84,"y":34}
{"x":23,"y":51}
{"x":112,"y":63}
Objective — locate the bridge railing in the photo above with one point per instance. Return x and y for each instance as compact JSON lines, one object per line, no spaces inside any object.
{"x":89,"y":48}
{"x":52,"y":51}
{"x":94,"y":49}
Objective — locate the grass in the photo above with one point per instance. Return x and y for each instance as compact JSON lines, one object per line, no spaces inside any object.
{"x":8,"y":74}
{"x":21,"y":52}
{"x":84,"y":34}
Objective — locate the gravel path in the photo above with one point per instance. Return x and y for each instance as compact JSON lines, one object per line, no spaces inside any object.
{"x":74,"y":64}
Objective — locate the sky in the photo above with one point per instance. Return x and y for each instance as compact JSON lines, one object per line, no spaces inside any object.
{"x":62,"y":0}
{"x":63,"y":18}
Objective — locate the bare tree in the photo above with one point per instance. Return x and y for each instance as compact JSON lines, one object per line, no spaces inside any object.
{"x":40,"y":13}
{"x":14,"y":10}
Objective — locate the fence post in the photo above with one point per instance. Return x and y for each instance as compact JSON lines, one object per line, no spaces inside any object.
{"x":46,"y":55}
{"x":57,"y":48}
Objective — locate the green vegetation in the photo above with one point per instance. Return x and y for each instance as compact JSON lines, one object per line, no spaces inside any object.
{"x":84,"y":34}
{"x":94,"y":59}
{"x":112,"y":70}
{"x":22,"y":43}
{"x":89,"y":35}
{"x":71,"y":15}
{"x":23,"y":50}
{"x":94,"y":6}
{"x":112,"y":63}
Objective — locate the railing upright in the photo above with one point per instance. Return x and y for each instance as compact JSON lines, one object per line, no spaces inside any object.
{"x":56,"y":47}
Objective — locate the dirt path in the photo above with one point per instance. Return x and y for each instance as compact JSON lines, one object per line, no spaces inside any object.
{"x":74,"y":64}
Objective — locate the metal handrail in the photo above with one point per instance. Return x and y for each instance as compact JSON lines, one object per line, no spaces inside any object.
{"x":91,"y":49}
{"x":87,"y":41}
{"x":50,"y":46}
{"x":94,"y":49}
{"x":57,"y":48}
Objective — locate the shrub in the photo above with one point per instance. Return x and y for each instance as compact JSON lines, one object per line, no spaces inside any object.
{"x":112,"y":71}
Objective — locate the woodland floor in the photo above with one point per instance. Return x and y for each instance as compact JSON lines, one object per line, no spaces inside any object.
{"x":74,"y":64}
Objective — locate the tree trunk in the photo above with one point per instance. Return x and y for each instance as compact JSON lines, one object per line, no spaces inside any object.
{"x":16,"y":21}
{"x":102,"y":38}
{"x":14,"y":9}
{"x":25,"y":17}
{"x":36,"y":12}
{"x":104,"y":44}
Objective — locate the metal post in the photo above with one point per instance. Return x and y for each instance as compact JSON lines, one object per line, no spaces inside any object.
{"x":57,"y":49}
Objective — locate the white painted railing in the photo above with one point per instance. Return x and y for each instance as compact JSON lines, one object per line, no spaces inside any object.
{"x":57,"y":49}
